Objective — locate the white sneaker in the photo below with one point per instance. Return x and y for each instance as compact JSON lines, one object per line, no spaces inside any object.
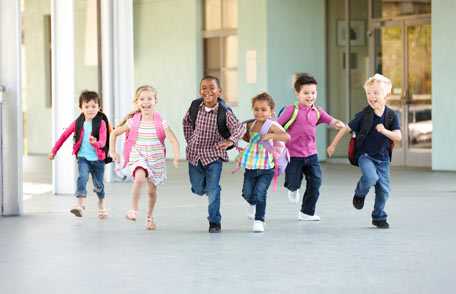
{"x":251,"y":210}
{"x":258,"y":226}
{"x":293,"y":196}
{"x":306,"y":217}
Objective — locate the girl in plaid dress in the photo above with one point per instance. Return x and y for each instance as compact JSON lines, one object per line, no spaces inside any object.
{"x":144,"y":150}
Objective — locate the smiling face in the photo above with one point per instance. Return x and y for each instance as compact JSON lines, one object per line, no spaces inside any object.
{"x":262,"y":110}
{"x":376,"y":95}
{"x":307,"y":95}
{"x":146,"y":102}
{"x":210,"y":91}
{"x":89,"y":109}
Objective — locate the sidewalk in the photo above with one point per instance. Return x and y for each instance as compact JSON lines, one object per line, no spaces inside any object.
{"x":50,"y":251}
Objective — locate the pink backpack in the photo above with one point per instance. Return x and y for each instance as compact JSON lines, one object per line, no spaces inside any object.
{"x":278,"y":150}
{"x":132,"y":134}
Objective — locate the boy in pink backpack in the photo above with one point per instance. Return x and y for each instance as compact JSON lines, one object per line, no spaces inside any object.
{"x":144,"y":150}
{"x":261,"y":157}
{"x":300,"y":121}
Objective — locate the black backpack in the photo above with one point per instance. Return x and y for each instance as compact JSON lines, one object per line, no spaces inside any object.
{"x":366,"y":125}
{"x":221,"y":116}
{"x":95,"y":131}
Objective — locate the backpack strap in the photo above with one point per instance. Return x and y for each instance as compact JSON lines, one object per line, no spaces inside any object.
{"x":131,"y":136}
{"x":159,"y":127}
{"x":366,"y":125}
{"x":270,"y":148}
{"x":79,"y":125}
{"x":293,"y":116}
{"x":193,"y":110}
{"x":221,"y":116}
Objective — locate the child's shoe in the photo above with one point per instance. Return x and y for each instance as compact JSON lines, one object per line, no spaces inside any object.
{"x":293,"y":196}
{"x":77,"y":211}
{"x":251,"y":210}
{"x":358,"y":202}
{"x":215,"y":228}
{"x":381,"y":224}
{"x":150,"y":225}
{"x":132,"y":215}
{"x":102,"y":213}
{"x":258,"y":226}
{"x":305,"y":217}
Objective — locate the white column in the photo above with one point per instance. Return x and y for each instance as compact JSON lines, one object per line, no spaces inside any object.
{"x":63,"y":92}
{"x":117,"y":60}
{"x":11,"y":139}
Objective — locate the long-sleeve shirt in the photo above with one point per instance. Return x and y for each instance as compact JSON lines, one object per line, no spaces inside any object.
{"x":202,"y":141}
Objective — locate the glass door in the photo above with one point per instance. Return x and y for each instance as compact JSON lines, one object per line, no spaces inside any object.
{"x":401,"y":50}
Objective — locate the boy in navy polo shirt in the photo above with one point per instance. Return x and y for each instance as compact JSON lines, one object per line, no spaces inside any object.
{"x":377,"y":128}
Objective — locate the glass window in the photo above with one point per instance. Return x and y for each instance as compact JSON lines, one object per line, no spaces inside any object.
{"x":389,"y":8}
{"x":221,"y":56}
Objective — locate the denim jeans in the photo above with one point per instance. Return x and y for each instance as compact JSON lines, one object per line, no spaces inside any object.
{"x":206,"y":180}
{"x":296,"y":169}
{"x":255,"y":188}
{"x":96,"y":169}
{"x":374,"y":173}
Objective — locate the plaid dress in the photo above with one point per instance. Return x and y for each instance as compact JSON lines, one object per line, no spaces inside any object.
{"x":148,"y":152}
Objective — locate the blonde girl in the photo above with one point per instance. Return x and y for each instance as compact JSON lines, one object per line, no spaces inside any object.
{"x":144,"y":149}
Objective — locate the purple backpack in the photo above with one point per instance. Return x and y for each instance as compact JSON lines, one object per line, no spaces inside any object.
{"x":278,"y":150}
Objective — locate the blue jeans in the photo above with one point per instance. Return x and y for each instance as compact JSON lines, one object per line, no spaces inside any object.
{"x":206,"y":180}
{"x":374,"y":173}
{"x":96,"y":169}
{"x":255,"y":188}
{"x":296,"y":169}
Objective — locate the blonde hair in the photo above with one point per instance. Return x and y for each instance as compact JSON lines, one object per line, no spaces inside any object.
{"x":384,"y":82}
{"x":138,"y":92}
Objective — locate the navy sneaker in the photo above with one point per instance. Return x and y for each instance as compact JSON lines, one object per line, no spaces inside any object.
{"x":381,"y":224}
{"x":358,"y":202}
{"x":215,"y":228}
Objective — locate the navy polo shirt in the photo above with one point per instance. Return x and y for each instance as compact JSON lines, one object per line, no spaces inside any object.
{"x":376,"y":145}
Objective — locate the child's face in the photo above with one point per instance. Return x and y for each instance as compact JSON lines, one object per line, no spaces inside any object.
{"x":146,"y":102}
{"x":90,"y":109}
{"x":307,"y":95}
{"x":376,"y":96}
{"x":261,"y":110}
{"x":210,"y":91}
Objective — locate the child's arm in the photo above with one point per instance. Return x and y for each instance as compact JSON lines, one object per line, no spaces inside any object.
{"x":102,"y":138}
{"x":113,"y":138}
{"x":276,"y":133}
{"x":188,"y":128}
{"x":336,"y":124}
{"x":173,"y":140}
{"x":68,"y":131}
{"x":395,"y":135}
{"x":340,"y":134}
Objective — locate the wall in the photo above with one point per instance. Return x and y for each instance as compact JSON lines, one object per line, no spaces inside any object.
{"x":167,"y":36}
{"x":443,"y":85}
{"x":296,"y":42}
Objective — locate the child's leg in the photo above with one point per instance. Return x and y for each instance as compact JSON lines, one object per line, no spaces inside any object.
{"x":140,"y":178}
{"x":152,"y":192}
{"x":293,"y":174}
{"x":260,"y":191}
{"x":313,"y":182}
{"x":197,"y":174}
{"x":213,"y":173}
{"x":97,"y":169}
{"x":381,"y":191}
{"x":369,"y":176}
{"x":248,"y":186}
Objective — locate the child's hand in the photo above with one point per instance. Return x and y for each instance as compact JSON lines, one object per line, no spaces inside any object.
{"x":51,"y":156}
{"x":225,"y":144}
{"x":380,"y":128}
{"x":92,"y":140}
{"x":339,"y":125}
{"x":114,"y":156}
{"x":176,"y":162}
{"x":267,"y":137}
{"x":330,"y":150}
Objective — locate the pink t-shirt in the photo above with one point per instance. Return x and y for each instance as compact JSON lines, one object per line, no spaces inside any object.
{"x":303,"y":131}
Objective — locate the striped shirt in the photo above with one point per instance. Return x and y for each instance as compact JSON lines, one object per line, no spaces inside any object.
{"x":202,"y":141}
{"x":255,"y":156}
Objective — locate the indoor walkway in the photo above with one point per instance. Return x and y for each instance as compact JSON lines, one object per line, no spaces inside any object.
{"x":50,"y":251}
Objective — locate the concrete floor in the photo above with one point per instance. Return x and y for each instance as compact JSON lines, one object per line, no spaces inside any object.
{"x":50,"y":251}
